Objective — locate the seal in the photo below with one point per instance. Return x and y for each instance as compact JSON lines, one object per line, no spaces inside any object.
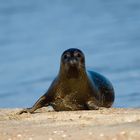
{"x":75,"y":88}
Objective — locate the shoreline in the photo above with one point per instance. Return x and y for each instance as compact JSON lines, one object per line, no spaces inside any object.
{"x":105,"y":124}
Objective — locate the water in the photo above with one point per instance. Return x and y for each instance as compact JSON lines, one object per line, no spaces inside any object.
{"x":33,"y":35}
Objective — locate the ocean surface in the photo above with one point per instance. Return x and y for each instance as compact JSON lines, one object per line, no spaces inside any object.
{"x":34,"y":33}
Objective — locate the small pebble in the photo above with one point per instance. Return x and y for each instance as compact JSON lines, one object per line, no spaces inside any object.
{"x":101,"y":135}
{"x":123,"y":133}
{"x":64,"y":136}
{"x":129,"y":120}
{"x":19,"y":135}
{"x":54,"y":132}
{"x":58,"y":132}
{"x":114,"y":139}
{"x":90,"y":133}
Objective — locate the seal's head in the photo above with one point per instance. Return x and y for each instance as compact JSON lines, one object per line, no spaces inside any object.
{"x":72,"y":62}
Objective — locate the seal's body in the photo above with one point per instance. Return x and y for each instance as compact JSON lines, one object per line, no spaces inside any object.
{"x":75,"y":88}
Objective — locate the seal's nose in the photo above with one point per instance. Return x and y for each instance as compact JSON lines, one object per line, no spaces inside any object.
{"x":73,"y":61}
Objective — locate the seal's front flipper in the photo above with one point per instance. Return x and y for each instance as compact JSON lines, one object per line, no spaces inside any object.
{"x":92,"y":106}
{"x":43,"y":101}
{"x":27,"y":110}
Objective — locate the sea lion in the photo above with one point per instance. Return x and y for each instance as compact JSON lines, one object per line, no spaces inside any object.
{"x":74,"y":88}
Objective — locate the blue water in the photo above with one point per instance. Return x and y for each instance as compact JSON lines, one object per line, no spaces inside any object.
{"x":34,"y":33}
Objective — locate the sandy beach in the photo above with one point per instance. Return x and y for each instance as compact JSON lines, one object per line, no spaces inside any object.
{"x":105,"y":124}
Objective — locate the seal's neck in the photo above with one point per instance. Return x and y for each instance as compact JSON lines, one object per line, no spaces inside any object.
{"x":73,"y":73}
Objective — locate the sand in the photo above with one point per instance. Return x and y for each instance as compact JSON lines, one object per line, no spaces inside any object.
{"x":105,"y":124}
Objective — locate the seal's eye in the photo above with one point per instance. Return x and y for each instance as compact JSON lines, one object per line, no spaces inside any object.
{"x":66,"y":56}
{"x":78,"y":55}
